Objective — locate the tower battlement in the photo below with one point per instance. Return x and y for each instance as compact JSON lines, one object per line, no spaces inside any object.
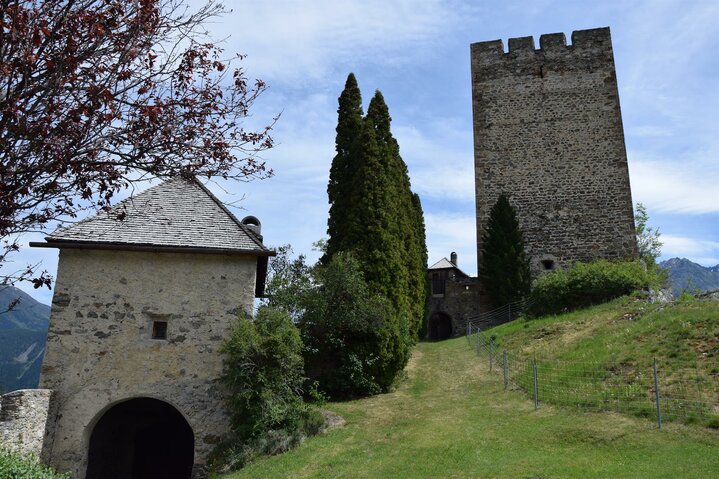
{"x":587,"y":40}
{"x":548,"y":132}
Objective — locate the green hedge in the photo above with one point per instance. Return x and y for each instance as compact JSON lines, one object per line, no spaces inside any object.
{"x":585,"y":284}
{"x":16,"y":466}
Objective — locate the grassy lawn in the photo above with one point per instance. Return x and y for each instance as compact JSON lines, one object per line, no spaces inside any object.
{"x":451,"y":418}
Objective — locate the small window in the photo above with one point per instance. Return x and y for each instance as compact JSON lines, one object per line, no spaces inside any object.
{"x":548,"y":264}
{"x":159,"y":330}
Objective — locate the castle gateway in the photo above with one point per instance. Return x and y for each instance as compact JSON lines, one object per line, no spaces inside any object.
{"x":548,"y":133}
{"x":140,"y":310}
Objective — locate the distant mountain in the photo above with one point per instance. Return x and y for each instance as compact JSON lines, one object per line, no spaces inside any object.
{"x":23,"y":331}
{"x":686,"y":275}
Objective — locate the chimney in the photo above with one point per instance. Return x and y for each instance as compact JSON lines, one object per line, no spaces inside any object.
{"x":253,"y":224}
{"x":453,"y":258}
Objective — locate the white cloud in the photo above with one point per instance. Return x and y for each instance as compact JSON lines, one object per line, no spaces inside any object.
{"x":440,"y":165}
{"x":688,"y":187}
{"x":291,"y":41}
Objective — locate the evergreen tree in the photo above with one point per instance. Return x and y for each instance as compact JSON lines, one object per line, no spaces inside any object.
{"x":349,"y":127}
{"x":375,"y":217}
{"x":504,"y":269}
{"x":419,"y":284}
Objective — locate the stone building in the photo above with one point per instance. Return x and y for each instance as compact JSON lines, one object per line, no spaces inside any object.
{"x":548,"y":133}
{"x":140,"y":310}
{"x":454,"y":299}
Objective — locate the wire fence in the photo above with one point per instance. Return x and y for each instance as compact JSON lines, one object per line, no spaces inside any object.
{"x":673,"y":391}
{"x":500,"y":315}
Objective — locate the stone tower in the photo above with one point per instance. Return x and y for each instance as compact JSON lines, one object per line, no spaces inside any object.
{"x":140,"y":310}
{"x":548,"y":132}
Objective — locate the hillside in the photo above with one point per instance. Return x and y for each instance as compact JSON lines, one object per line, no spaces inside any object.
{"x":23,"y":331}
{"x":686,"y":275}
{"x":451,"y":417}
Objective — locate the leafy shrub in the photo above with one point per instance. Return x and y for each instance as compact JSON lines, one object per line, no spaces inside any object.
{"x":263,"y":371}
{"x":585,"y":284}
{"x":356,"y":345}
{"x":17,"y":466}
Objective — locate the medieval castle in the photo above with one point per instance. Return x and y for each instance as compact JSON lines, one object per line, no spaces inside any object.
{"x":140,"y":308}
{"x":548,"y":133}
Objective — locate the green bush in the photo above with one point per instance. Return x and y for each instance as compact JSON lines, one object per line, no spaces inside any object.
{"x":355,"y":344}
{"x":17,"y":466}
{"x":585,"y":284}
{"x":263,"y":371}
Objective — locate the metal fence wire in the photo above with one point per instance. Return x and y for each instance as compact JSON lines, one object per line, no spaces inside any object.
{"x":675,"y":391}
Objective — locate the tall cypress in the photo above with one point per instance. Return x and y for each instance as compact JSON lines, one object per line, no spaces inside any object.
{"x":349,"y":127}
{"x":504,"y":269}
{"x":407,"y":226}
{"x":375,"y":216}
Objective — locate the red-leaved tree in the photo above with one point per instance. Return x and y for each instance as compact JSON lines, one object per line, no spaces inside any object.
{"x":98,"y":94}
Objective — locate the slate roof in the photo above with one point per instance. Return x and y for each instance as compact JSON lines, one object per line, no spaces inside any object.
{"x":444,"y":263}
{"x":177,"y":214}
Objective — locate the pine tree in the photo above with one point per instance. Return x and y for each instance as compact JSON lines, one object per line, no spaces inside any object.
{"x":504,"y":269}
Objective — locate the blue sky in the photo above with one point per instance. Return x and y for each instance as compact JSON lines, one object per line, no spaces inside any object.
{"x":417,"y":54}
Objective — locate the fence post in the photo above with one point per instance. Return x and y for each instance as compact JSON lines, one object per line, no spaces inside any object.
{"x":504,"y":364}
{"x":534,"y":376}
{"x":656,"y":393}
{"x":468,"y":331}
{"x":491,"y":348}
{"x":479,"y":340}
{"x":510,"y":311}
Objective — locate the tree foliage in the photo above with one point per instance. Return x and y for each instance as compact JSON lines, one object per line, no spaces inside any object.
{"x":352,"y":339}
{"x":504,"y":269}
{"x":648,"y":243}
{"x":373,"y":212}
{"x":349,"y":125}
{"x":352,"y":344}
{"x":98,"y":94}
{"x":264,"y":374}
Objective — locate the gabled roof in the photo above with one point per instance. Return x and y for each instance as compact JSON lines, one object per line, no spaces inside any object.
{"x":444,"y":263}
{"x":178,"y":214}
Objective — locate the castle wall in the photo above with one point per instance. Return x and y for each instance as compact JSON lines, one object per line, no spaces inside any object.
{"x":460,"y":301}
{"x":23,"y":418}
{"x":100,"y":350}
{"x":548,"y":132}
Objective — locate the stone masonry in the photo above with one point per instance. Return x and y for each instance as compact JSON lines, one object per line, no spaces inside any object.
{"x":23,"y":419}
{"x":548,"y":132}
{"x":100,"y":351}
{"x":140,"y":311}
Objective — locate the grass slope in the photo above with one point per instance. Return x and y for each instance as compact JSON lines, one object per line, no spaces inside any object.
{"x":452,"y":418}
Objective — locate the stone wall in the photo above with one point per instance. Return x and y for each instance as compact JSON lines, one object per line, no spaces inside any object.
{"x":23,"y":419}
{"x":100,"y":350}
{"x":460,"y":301}
{"x":548,"y":132}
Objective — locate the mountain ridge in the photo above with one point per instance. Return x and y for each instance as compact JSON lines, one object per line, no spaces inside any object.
{"x":686,"y":275}
{"x":23,"y":332}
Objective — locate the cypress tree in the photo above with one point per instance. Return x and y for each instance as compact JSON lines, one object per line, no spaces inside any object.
{"x":407,"y":226}
{"x":375,"y":217}
{"x":504,"y":269}
{"x":419,"y":284}
{"x":349,"y":127}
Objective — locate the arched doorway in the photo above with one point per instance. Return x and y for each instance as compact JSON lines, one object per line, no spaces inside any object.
{"x":141,"y":438}
{"x":440,"y":326}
